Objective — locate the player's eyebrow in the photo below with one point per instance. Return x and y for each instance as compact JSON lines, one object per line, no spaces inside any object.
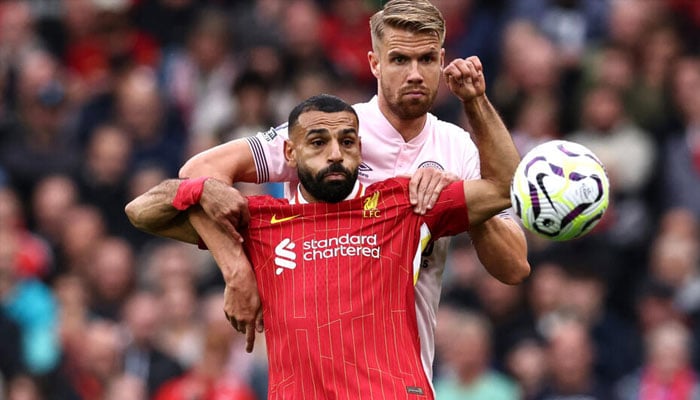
{"x":349,"y":131}
{"x":317,"y":131}
{"x":396,"y":52}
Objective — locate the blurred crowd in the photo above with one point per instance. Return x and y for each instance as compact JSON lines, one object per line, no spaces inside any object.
{"x":101,"y":99}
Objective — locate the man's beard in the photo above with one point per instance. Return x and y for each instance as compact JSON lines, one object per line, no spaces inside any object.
{"x":328,"y":191}
{"x":410,"y":109}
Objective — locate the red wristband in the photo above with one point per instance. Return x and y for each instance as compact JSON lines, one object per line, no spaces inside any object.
{"x":188,"y":193}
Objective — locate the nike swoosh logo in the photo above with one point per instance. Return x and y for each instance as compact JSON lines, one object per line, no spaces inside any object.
{"x":274,"y":219}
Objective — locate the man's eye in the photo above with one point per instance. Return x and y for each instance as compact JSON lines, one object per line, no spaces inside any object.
{"x":348,"y":142}
{"x":317,"y":143}
{"x":427,"y":59}
{"x":399,"y":59}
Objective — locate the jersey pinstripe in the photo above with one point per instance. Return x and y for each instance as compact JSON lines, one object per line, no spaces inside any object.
{"x":336,"y":282}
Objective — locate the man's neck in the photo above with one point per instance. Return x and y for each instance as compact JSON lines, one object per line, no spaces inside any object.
{"x":408,"y":128}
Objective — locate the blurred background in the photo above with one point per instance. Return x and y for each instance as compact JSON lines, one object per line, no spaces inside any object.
{"x":102,"y":99}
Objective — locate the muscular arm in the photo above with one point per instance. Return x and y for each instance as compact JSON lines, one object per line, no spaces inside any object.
{"x":501,"y":247}
{"x":153,"y":212}
{"x":241,"y":299}
{"x":499,"y":242}
{"x":229,"y":162}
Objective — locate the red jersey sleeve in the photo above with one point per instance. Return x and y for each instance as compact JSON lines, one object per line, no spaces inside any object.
{"x":449,"y":215}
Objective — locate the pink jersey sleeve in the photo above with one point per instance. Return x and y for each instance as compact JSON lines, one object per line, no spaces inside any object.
{"x":449,"y":215}
{"x":268,"y":154}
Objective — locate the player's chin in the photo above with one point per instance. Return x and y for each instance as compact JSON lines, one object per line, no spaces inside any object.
{"x":414,"y":108}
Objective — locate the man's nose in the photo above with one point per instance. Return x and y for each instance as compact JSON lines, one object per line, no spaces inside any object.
{"x":414,"y":73}
{"x":334,"y":153}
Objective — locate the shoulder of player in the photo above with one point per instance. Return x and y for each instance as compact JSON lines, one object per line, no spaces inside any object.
{"x":391,"y":186}
{"x":362,"y":107}
{"x":449,"y":128}
{"x":259,"y":201}
{"x":271,"y":134}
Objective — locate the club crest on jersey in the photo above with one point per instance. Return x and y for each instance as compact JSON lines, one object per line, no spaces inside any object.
{"x":370,"y":206}
{"x":431,"y":164}
{"x":363,"y":170}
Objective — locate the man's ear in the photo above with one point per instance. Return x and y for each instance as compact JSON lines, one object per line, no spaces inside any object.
{"x":289,"y":155}
{"x":442,"y":57}
{"x":373,"y":59}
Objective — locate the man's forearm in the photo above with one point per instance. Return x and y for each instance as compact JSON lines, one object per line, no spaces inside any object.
{"x":501,"y":247}
{"x":497,"y":152}
{"x":224,"y":248}
{"x":153,"y":212}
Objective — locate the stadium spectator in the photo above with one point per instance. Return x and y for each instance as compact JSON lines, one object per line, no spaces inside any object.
{"x":198,"y":79}
{"x":346,"y":40}
{"x":114,"y":45}
{"x":667,"y":370}
{"x":536,"y":122}
{"x":469,"y":374}
{"x":95,"y":363}
{"x":81,"y":227}
{"x":503,"y":305}
{"x":52,"y":197}
{"x":103,"y":176}
{"x":135,"y":105}
{"x":526,"y":363}
{"x":681,"y":148}
{"x":25,"y":299}
{"x":181,"y":336}
{"x":111,"y":276}
{"x":141,"y":356}
{"x":251,"y":93}
{"x":613,"y":341}
{"x":38,"y":130}
{"x":674,"y":257}
{"x":74,"y":315}
{"x":529,"y":67}
{"x":570,"y":355}
{"x":544,"y":291}
{"x":205,"y":379}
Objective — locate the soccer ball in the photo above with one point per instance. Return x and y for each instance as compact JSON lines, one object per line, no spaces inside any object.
{"x":560,"y":190}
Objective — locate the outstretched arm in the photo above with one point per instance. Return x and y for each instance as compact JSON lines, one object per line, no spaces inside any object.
{"x":229,"y":162}
{"x":154,"y":213}
{"x":499,"y":242}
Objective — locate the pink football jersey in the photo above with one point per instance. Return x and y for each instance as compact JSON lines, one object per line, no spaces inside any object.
{"x":337,"y":285}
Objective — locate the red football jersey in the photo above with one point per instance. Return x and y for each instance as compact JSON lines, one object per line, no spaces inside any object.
{"x":336,"y":282}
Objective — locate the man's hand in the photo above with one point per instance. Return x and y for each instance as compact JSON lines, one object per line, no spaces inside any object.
{"x":225,"y":205}
{"x":425,"y":186}
{"x":465,"y":78}
{"x":242,"y":303}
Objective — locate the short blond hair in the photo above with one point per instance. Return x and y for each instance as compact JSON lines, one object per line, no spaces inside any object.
{"x":416,"y":16}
